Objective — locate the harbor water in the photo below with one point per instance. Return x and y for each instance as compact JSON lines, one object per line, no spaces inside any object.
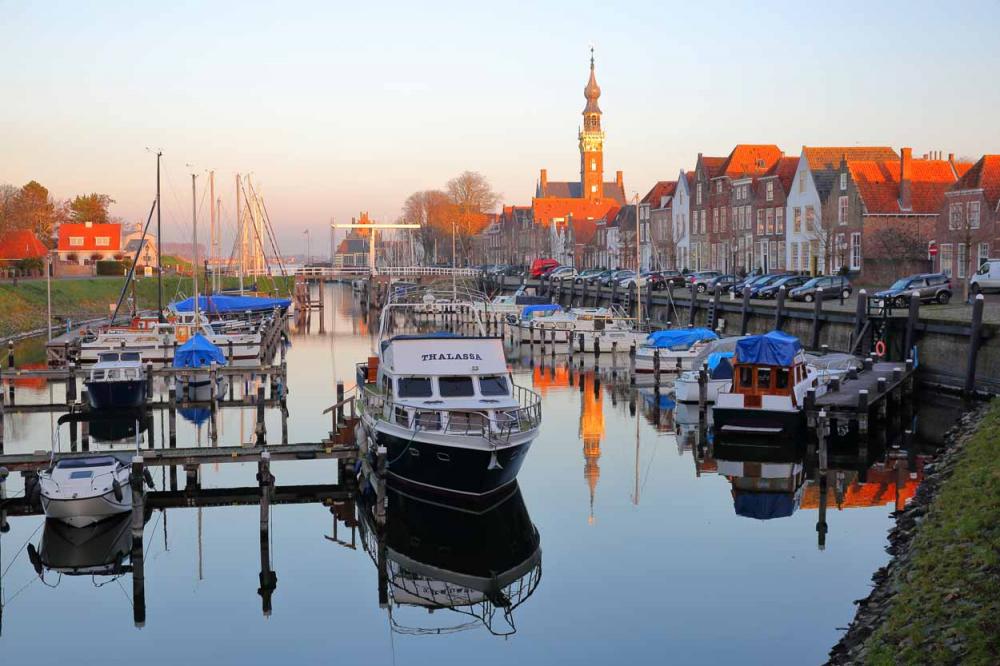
{"x":650,"y":543}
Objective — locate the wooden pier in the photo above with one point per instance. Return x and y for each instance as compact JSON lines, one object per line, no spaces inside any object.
{"x":862,"y":395}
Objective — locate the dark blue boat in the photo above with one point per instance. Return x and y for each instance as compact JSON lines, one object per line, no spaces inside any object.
{"x":117,"y":381}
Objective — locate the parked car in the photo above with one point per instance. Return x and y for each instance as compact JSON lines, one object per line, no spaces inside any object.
{"x":757,"y":283}
{"x":587,"y":273}
{"x":834,"y":286}
{"x":930,"y":286}
{"x":613,"y":277}
{"x":987,"y":278}
{"x":723,"y":282}
{"x":625,"y":278}
{"x":700,"y":280}
{"x":747,"y":280}
{"x":561,"y":273}
{"x":599,"y":277}
{"x":647,"y":279}
{"x":662,"y":278}
{"x":770,"y":290}
{"x":539,"y":266}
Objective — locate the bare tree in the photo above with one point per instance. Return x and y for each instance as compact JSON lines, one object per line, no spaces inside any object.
{"x":430,"y":209}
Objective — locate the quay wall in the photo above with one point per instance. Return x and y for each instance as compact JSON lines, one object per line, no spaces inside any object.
{"x":943,"y":345}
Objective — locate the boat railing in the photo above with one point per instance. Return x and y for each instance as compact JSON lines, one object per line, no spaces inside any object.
{"x":500,"y":423}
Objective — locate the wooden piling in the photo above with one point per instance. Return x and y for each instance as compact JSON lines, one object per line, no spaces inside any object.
{"x":975,"y":340}
{"x":745,"y":312}
{"x":779,"y":308}
{"x":138,"y":523}
{"x":340,"y":405}
{"x":656,"y":368}
{"x":172,"y":414}
{"x":817,"y":313}
{"x":2,"y":420}
{"x":260,"y":430}
{"x":913,"y":315}
{"x":694,"y":304}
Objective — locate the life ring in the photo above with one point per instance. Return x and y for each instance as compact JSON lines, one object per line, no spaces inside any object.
{"x":880,"y":348}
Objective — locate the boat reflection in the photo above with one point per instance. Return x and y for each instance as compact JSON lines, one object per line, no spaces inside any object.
{"x":767,"y":481}
{"x":118,"y":428}
{"x":478,"y":562}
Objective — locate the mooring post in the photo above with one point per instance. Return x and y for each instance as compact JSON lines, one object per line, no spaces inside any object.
{"x":381,"y":466}
{"x":138,"y":522}
{"x":975,"y":339}
{"x":912,"y":317}
{"x":149,"y":383}
{"x":597,"y":346}
{"x":340,"y":405}
{"x":656,"y":368}
{"x":260,"y":429}
{"x":716,"y":296}
{"x":745,"y":312}
{"x":552,"y":342}
{"x":822,"y":432}
{"x":694,"y":304}
{"x":2,"y":427}
{"x":70,"y":383}
{"x":779,"y":308}
{"x":322,"y":307}
{"x":702,"y":390}
{"x":172,"y":413}
{"x":860,"y":314}
{"x":4,"y":527}
{"x":821,"y":525}
{"x":581,"y":343}
{"x":817,"y":311}
{"x":810,"y":407}
{"x":863,"y":411}
{"x":84,"y":429}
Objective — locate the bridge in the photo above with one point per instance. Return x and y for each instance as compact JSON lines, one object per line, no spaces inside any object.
{"x":363,"y":272}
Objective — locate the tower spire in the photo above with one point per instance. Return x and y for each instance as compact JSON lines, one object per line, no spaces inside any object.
{"x":592,"y":140}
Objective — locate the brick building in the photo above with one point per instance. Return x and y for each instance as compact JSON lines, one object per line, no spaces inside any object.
{"x":87,"y":243}
{"x":968,"y":226}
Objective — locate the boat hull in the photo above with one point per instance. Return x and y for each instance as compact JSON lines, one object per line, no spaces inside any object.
{"x":731,"y":422}
{"x":452,"y":469}
{"x":116,"y":394}
{"x":86,"y":511}
{"x":687,"y":391}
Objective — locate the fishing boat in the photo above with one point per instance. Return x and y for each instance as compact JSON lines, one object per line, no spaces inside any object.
{"x":84,"y":491}
{"x":117,"y":381}
{"x":446,"y":408}
{"x":678,"y":349}
{"x":770,"y":379}
{"x":198,"y":355}
{"x":438,"y":556}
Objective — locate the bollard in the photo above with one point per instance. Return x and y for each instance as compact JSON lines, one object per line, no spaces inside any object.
{"x":656,"y":367}
{"x":817,"y":311}
{"x":260,"y":429}
{"x":975,"y":340}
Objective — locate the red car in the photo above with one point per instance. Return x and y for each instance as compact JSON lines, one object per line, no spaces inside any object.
{"x":540,"y":266}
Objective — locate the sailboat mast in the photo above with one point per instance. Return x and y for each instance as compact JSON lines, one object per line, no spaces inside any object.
{"x":194,"y":225}
{"x":212,"y":231}
{"x":159,"y":245}
{"x":239,"y":231}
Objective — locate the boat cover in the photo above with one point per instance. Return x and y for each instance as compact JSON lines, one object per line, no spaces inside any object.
{"x":221,"y":304}
{"x":679,"y":339}
{"x":720,"y":365}
{"x":195,"y":415}
{"x":545,"y":307}
{"x":663,"y":400}
{"x":774,"y":348}
{"x":764,"y":506}
{"x":198,"y":352}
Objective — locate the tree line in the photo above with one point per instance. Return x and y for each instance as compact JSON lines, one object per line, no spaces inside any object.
{"x":462,"y":208}
{"x":31,"y":207}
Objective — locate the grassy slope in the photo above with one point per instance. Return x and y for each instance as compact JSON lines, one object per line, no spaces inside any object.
{"x":951,"y":590}
{"x":22,"y":308}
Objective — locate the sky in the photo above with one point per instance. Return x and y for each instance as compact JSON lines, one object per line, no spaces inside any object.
{"x":337,"y":107}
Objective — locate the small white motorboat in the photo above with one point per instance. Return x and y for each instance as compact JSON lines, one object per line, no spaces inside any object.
{"x":719,"y":377}
{"x":678,"y":349}
{"x":85,"y":491}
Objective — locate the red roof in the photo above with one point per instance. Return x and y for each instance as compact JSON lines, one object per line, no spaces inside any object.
{"x":985,"y":175}
{"x":584,"y":230}
{"x":749,"y":159}
{"x":90,"y":233}
{"x":21,"y":244}
{"x":828,"y":157}
{"x":878,"y":183}
{"x":548,"y":208}
{"x":785,"y":169}
{"x":713,"y":165}
{"x":663,"y":188}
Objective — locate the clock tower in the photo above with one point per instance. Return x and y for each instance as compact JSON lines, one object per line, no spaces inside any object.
{"x":592,"y":141}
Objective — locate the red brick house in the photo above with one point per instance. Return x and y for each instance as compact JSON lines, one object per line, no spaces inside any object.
{"x":87,"y":243}
{"x":706,"y":170}
{"x":968,"y":227}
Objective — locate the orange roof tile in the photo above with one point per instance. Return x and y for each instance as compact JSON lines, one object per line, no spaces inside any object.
{"x":749,"y":159}
{"x":878,"y":184}
{"x":828,"y":157}
{"x":548,"y":208}
{"x":663,"y":188}
{"x":21,"y":244}
{"x":985,"y":175}
{"x":784,"y":169}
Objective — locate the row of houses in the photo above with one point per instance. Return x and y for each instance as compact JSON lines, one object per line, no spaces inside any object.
{"x":869,"y":211}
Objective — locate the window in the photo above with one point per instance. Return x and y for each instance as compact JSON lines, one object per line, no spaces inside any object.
{"x":102,"y":241}
{"x":76,"y":241}
{"x":697,"y":195}
{"x":973,"y":214}
{"x":718,"y":187}
{"x":843,"y":182}
{"x":736,"y":219}
{"x":769,"y":190}
{"x":455,"y":387}
{"x":772,"y":261}
{"x":782,"y":378}
{"x":722,"y":221}
{"x":715,"y":220}
{"x":842,"y":210}
{"x":760,"y":222}
{"x":763,"y":378}
{"x":781,"y":255}
{"x":810,"y":218}
{"x":746,"y":376}
{"x":593,"y":165}
{"x":795,"y":256}
{"x":797,"y":221}
{"x":963,"y":259}
{"x":806,"y":255}
{"x":802,"y":182}
{"x":954,"y":216}
{"x":984,"y":253}
{"x":946,"y":259}
{"x":779,"y":221}
{"x":428,"y":420}
{"x":414,"y":387}
{"x":704,"y":221}
{"x":770,"y":221}
{"x":593,"y":188}
{"x":856,"y":252}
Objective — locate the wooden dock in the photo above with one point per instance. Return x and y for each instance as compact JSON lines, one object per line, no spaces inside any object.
{"x":862,"y":395}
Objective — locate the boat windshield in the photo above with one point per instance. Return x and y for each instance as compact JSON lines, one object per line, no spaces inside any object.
{"x":455,"y":387}
{"x":107,"y":357}
{"x":80,"y":463}
{"x":414,"y":387}
{"x":493,"y":385}
{"x":130,"y":356}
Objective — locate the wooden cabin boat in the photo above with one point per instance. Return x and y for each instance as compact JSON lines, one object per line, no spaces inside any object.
{"x":770,"y":381}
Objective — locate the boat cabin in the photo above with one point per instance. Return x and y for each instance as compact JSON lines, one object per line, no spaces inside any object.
{"x":771,"y":364}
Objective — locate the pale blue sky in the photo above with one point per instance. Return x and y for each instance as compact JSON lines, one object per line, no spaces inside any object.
{"x":342,"y":106}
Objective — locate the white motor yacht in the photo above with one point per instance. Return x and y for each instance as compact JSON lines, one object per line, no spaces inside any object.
{"x":87,"y":490}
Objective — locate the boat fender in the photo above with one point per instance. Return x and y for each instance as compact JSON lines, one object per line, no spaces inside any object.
{"x":117,"y":487}
{"x":36,"y":559}
{"x":880,"y":348}
{"x":147,"y":475}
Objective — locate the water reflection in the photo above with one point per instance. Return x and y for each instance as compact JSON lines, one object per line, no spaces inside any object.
{"x":478,"y":562}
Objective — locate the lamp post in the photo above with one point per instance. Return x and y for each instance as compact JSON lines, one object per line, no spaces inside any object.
{"x":638,"y":264}
{"x":48,"y":293}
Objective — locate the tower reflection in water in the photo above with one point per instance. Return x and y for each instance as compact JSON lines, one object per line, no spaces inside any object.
{"x":480,"y":563}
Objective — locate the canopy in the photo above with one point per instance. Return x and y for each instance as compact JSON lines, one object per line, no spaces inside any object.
{"x":531,"y":309}
{"x":764,"y":506}
{"x":198,"y":352}
{"x":774,"y":348}
{"x":219,"y":304}
{"x":679,"y":339}
{"x":720,"y":365}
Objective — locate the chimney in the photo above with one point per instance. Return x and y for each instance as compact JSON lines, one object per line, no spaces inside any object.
{"x":905,"y":173}
{"x":619,"y":181}
{"x":951,"y":157}
{"x":543,"y":181}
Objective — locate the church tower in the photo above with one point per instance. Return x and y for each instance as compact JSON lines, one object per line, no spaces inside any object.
{"x":592,"y":141}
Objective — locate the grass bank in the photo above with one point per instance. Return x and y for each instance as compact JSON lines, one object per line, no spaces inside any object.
{"x":945,"y":604}
{"x":23,"y":308}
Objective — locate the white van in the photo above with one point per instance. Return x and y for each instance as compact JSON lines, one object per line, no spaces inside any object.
{"x":987,"y":278}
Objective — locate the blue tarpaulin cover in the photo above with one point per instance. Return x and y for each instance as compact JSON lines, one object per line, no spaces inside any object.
{"x":219,"y":304}
{"x":720,"y":365}
{"x":679,"y":339}
{"x":663,"y":401}
{"x":774,"y":348}
{"x":530,"y":309}
{"x":198,"y":352}
{"x":764,"y":506}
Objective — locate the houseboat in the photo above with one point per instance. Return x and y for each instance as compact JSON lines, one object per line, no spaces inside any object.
{"x":678,"y":349}
{"x":446,"y":409}
{"x":770,"y":379}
